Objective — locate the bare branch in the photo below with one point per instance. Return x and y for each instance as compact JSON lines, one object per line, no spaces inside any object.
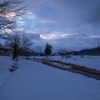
{"x":17,"y":44}
{"x":9,"y":11}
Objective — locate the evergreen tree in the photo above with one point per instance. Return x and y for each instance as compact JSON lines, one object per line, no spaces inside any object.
{"x":48,"y":49}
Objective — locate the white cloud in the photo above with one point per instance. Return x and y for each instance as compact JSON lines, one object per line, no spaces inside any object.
{"x":64,"y":35}
{"x":47,"y":36}
{"x":30,"y":15}
{"x":95,"y":36}
{"x":19,"y":29}
{"x":47,"y":21}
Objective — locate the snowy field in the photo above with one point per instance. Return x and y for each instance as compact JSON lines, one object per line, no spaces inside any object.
{"x":35,"y":81}
{"x":87,"y":61}
{"x":5,"y":63}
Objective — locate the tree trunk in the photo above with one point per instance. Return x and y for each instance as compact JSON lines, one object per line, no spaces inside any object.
{"x":15,"y":52}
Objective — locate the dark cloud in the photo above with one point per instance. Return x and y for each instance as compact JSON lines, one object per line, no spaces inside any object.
{"x":34,"y":36}
{"x":79,"y":18}
{"x":94,"y":17}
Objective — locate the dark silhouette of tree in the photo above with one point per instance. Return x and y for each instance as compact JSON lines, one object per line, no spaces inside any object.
{"x":9,"y":11}
{"x":48,"y":49}
{"x":18,"y":44}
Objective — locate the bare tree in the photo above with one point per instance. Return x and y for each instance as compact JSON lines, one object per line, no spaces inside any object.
{"x":26,"y":42}
{"x":9,"y":11}
{"x":18,"y":44}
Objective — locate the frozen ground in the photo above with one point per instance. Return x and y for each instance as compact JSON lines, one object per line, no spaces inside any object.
{"x":35,"y":81}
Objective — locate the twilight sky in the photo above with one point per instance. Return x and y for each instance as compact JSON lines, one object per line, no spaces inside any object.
{"x":70,"y":24}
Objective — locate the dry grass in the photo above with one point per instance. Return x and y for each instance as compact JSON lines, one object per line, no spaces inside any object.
{"x":75,"y":67}
{"x":80,"y":68}
{"x":49,"y":64}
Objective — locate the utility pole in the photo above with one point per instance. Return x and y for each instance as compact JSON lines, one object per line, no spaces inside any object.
{"x":98,"y":45}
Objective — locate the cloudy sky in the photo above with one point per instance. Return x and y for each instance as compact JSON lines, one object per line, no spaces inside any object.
{"x":70,"y":24}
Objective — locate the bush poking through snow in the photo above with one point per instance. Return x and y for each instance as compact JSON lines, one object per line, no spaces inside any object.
{"x":81,"y":55}
{"x":14,"y":66}
{"x":11,"y":69}
{"x":62,"y":56}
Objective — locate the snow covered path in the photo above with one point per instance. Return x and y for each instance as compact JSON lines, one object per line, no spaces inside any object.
{"x":33,"y":81}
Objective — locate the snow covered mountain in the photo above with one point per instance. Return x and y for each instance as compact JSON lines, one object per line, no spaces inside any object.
{"x":39,"y":49}
{"x":54,"y":51}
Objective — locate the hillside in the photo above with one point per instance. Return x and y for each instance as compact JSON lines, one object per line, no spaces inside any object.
{"x":93,"y":51}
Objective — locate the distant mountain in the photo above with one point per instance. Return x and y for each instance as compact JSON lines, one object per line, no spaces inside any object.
{"x":34,"y":53}
{"x":38,"y":49}
{"x":92,"y":51}
{"x":4,"y":51}
{"x":59,"y":51}
{"x":29,"y":52}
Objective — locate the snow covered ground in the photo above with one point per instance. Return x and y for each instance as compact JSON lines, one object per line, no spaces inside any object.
{"x":35,"y":81}
{"x":87,"y":61}
{"x":5,"y":63}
